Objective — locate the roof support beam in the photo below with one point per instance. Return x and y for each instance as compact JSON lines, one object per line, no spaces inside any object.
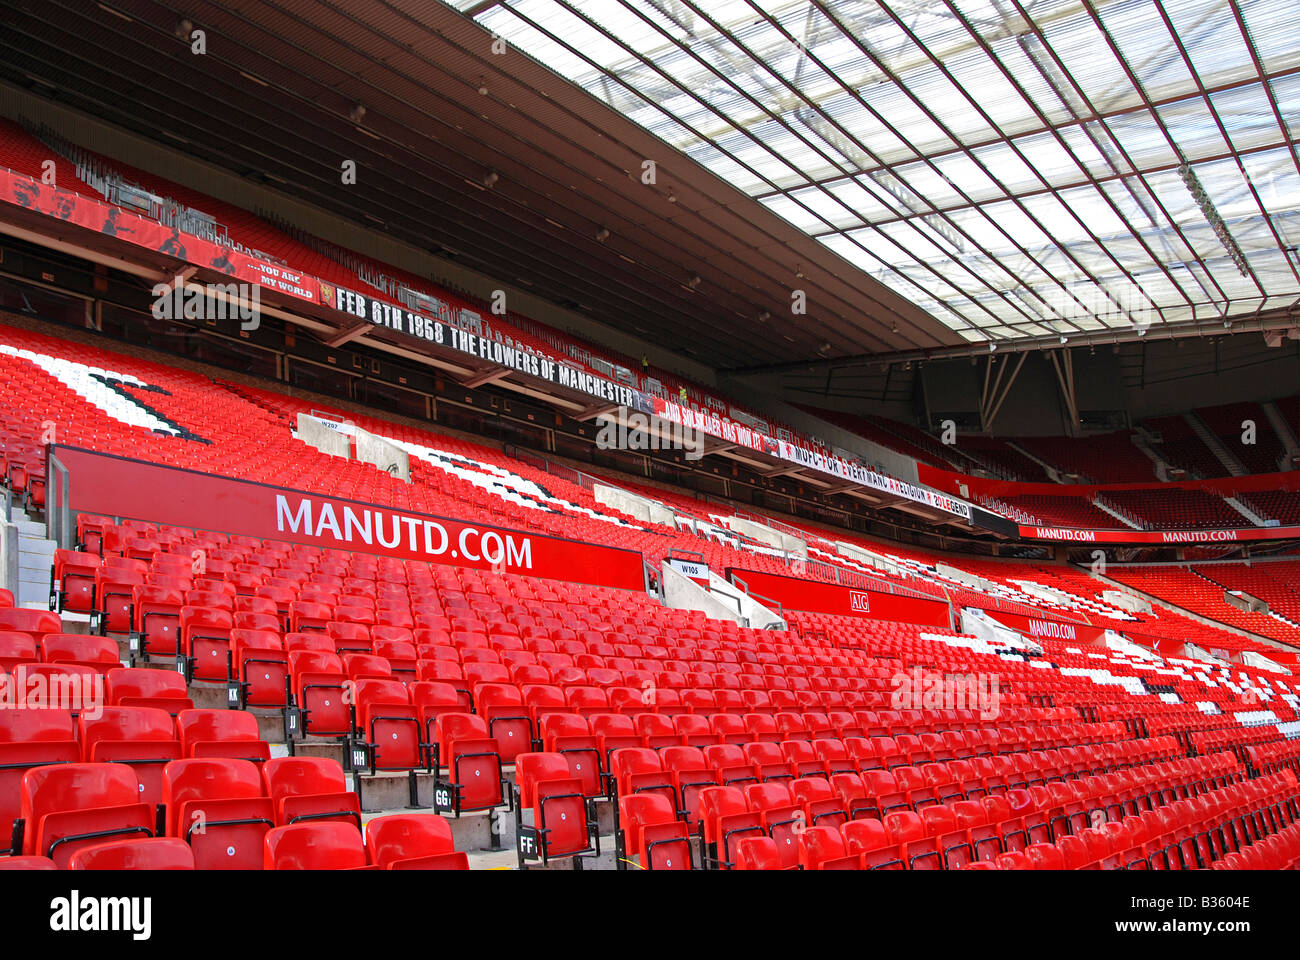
{"x":991,"y":400}
{"x":1063,"y":363}
{"x":485,"y":377}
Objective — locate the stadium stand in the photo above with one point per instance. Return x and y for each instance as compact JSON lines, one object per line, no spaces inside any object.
{"x":297,"y":697}
{"x":681,"y":741}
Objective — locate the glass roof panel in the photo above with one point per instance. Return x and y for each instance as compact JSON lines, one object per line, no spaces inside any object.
{"x":959,"y":150}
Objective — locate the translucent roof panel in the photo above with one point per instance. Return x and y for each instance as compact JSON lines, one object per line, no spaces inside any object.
{"x":1016,"y":168}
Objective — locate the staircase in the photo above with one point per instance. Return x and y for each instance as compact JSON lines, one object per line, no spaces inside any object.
{"x":1246,"y":511}
{"x":1234,"y":466}
{"x":35,"y":561}
{"x":1105,"y":507}
{"x":1052,"y":473}
{"x":1142,"y":441}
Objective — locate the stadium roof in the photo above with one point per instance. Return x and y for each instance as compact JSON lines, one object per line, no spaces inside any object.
{"x":1017,"y":169}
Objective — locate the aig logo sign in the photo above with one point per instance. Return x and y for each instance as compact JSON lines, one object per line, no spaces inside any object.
{"x":859,"y":602}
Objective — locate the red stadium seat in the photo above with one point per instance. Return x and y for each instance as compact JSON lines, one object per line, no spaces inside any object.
{"x":413,"y":842}
{"x":156,"y":853}
{"x":314,"y":846}
{"x":219,"y":807}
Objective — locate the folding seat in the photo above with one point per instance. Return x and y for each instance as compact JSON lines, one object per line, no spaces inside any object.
{"x":665,"y":700}
{"x":365,"y":666}
{"x":72,"y":581}
{"x":699,"y":702}
{"x":318,"y":642}
{"x":306,"y":616}
{"x":412,"y":842}
{"x":691,"y":773}
{"x":917,"y":848}
{"x":864,"y":752}
{"x":30,"y":738}
{"x":728,"y":728}
{"x":309,"y":788}
{"x":801,"y":759}
{"x":870,"y":842}
{"x":219,"y":807}
{"x":613,"y":731}
{"x":729,"y":701}
{"x":141,"y":687}
{"x":729,"y":764}
{"x":726,"y":818}
{"x":466,"y":751}
{"x":649,"y":830}
{"x":348,"y":637}
{"x":314,"y":846}
{"x":759,"y":853}
{"x":853,"y":795}
{"x":821,"y":803}
{"x":782,"y":818}
{"x":767,"y":760}
{"x":322,"y":691}
{"x":1044,"y":856}
{"x":885,"y":792}
{"x":250,"y":620}
{"x":450,"y":673}
{"x":205,"y":642}
{"x":430,"y":698}
{"x":1015,"y":860}
{"x":656,"y":731}
{"x":154,"y":853}
{"x":16,"y":648}
{"x":508,"y":718}
{"x":59,"y":686}
{"x":390,"y":724}
{"x":603,"y":677}
{"x":844,"y":724}
{"x":221,"y":733}
{"x":142,"y":738}
{"x":66,"y":807}
{"x":762,"y":729}
{"x":115,"y":596}
{"x":1023,"y":816}
{"x":27,"y":863}
{"x":638,"y":770}
{"x":478,"y":672}
{"x":791,"y":726}
{"x":822,"y":848}
{"x":260,"y":667}
{"x":260,"y":605}
{"x":569,"y":736}
{"x":586,"y":700}
{"x":693,"y":730}
{"x":35,"y":623}
{"x":561,"y":817}
{"x":757,"y":701}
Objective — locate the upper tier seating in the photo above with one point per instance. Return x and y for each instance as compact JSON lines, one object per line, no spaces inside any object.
{"x":1067,"y":511}
{"x":1099,"y":458}
{"x":1176,"y":509}
{"x":1180,"y":446}
{"x":1225,"y":421}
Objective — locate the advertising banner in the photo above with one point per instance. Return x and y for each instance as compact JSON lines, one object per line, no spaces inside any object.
{"x":133,"y":489}
{"x":109,"y":220}
{"x":815,"y":597}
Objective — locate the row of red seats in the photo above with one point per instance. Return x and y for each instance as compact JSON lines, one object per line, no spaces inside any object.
{"x":219,"y":814}
{"x":1188,"y":833}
